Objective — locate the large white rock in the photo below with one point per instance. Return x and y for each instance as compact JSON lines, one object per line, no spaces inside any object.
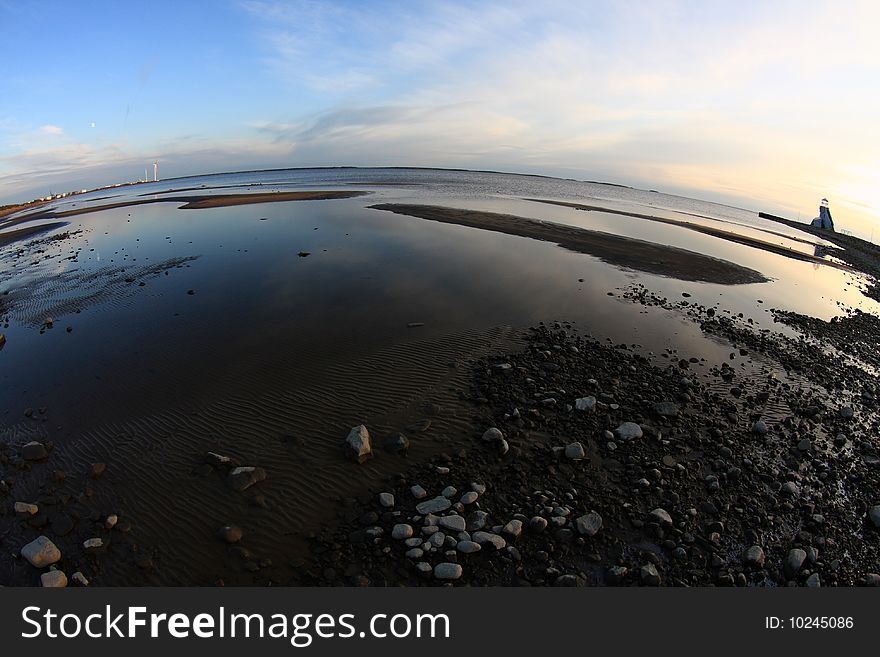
{"x":357,"y":444}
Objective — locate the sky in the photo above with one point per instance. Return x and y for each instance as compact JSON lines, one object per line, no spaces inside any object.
{"x":765,"y":105}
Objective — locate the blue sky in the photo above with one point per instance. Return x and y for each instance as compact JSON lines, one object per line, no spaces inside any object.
{"x":767,"y":104}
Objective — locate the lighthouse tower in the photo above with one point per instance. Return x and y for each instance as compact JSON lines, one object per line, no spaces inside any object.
{"x":155,"y":171}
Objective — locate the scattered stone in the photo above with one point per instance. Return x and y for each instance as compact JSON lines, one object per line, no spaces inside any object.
{"x":401,"y":531}
{"x":666,"y":409}
{"x":41,"y":552}
{"x":111,"y":521}
{"x":790,"y":489}
{"x":477,"y":520}
{"x":537,"y":524}
{"x":575,"y":451}
{"x":94,"y":545}
{"x":386,"y":500}
{"x":513,"y":529}
{"x":794,"y":561}
{"x":649,"y":575}
{"x":489,"y":538}
{"x":846,"y":412}
{"x":447,"y":571}
{"x":493,"y":434}
{"x":628,"y":431}
{"x":357,"y":444}
{"x":243,"y":477}
{"x":26,"y":509}
{"x":424,"y":569}
{"x":97,"y":470}
{"x":436,"y":505}
{"x":813,"y":581}
{"x":418,"y":492}
{"x":586,"y":404}
{"x":449,"y":492}
{"x":79,"y":579}
{"x":34,"y":451}
{"x":754,"y":557}
{"x":469,"y":498}
{"x":759,"y":428}
{"x":230,"y":533}
{"x":217,"y":460}
{"x":589,"y":524}
{"x":54,"y":579}
{"x":415,"y":553}
{"x":661,"y":517}
{"x":396,"y":443}
{"x":452,"y":523}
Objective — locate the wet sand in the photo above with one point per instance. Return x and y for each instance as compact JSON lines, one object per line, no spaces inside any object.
{"x":11,"y":236}
{"x":198,"y":201}
{"x":614,"y":249}
{"x":708,"y":230}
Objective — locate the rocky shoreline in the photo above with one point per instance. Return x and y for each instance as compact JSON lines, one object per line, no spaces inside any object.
{"x":591,"y":466}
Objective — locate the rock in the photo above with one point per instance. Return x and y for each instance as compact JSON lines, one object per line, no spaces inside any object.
{"x":479,"y":489}
{"x":34,"y":451}
{"x":397,"y":443}
{"x":874,"y":515}
{"x":54,"y":579}
{"x":759,"y":428}
{"x":447,"y":571}
{"x":574,"y":451}
{"x":452,"y":523}
{"x":243,"y":477}
{"x":790,"y":489}
{"x":503,"y":447}
{"x":493,"y":434}
{"x":97,"y":470}
{"x":401,"y":531}
{"x":435,"y":505}
{"x":628,"y":431}
{"x":661,"y":517}
{"x":26,"y":509}
{"x":537,"y":524}
{"x":414,"y":553}
{"x":649,"y":575}
{"x":794,"y":561}
{"x":111,"y":521}
{"x":666,"y":409}
{"x":418,"y":492}
{"x":79,"y":579}
{"x":386,"y":500}
{"x":217,"y":460}
{"x":424,"y":569}
{"x":357,"y":444}
{"x":468,"y":547}
{"x":846,"y":412}
{"x":589,"y":524}
{"x":813,"y":581}
{"x":477,"y":520}
{"x":488,"y":538}
{"x":513,"y":529}
{"x":93,"y":545}
{"x":872,"y":579}
{"x":230,"y":533}
{"x":449,"y":492}
{"x":41,"y":552}
{"x":754,"y":557}
{"x":586,"y":404}
{"x":469,"y":498}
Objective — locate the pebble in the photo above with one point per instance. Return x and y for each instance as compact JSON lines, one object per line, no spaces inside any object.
{"x":418,"y":492}
{"x":469,"y":498}
{"x":587,"y":404}
{"x":230,"y":533}
{"x":484,"y":538}
{"x":453,"y":523}
{"x":54,"y":579}
{"x":415,"y":553}
{"x":79,"y":579}
{"x":759,"y":428}
{"x":401,"y":531}
{"x":97,"y":470}
{"x":754,"y":556}
{"x":479,"y":489}
{"x":661,"y":517}
{"x":813,"y":581}
{"x":111,"y":521}
{"x":628,"y":431}
{"x":243,"y":477}
{"x":794,"y":561}
{"x":790,"y":489}
{"x":493,"y":434}
{"x":846,"y":412}
{"x":574,"y":451}
{"x":538,"y":524}
{"x":435,"y":505}
{"x":357,"y":444}
{"x":424,"y":569}
{"x":589,"y":524}
{"x":41,"y":552}
{"x":649,"y":575}
{"x":477,"y":520}
{"x":34,"y":451}
{"x":25,"y":508}
{"x":386,"y":500}
{"x":666,"y":409}
{"x":93,"y":544}
{"x":513,"y":529}
{"x":447,"y":571}
{"x":468,"y":547}
{"x":449,"y":491}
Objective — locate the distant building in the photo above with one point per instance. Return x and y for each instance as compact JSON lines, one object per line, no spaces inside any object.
{"x":824,"y":220}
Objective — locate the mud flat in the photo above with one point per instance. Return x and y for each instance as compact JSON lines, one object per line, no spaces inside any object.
{"x":613,"y":249}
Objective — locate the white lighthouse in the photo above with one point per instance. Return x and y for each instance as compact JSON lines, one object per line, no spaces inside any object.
{"x":155,"y":171}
